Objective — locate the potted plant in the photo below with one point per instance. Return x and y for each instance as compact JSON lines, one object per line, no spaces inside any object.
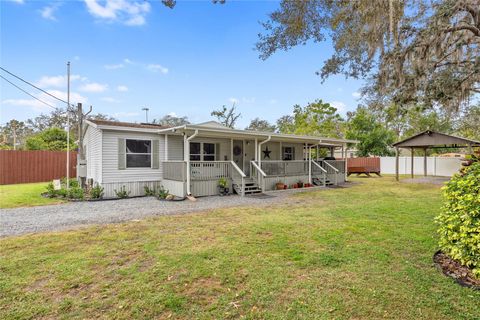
{"x":300,"y":184}
{"x":222,"y":186}
{"x":280,"y":186}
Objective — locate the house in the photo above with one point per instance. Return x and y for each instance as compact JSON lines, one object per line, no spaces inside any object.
{"x":190,"y":159}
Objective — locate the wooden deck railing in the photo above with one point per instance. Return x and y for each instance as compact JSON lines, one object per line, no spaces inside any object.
{"x":209,"y":170}
{"x":174,"y":170}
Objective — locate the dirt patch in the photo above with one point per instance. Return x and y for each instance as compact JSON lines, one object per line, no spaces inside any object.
{"x":204,"y":291}
{"x":452,"y":268}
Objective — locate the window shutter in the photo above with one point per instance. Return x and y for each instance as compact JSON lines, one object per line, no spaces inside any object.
{"x":155,"y":154}
{"x":121,"y":154}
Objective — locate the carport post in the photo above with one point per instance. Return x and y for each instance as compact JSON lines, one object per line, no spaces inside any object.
{"x":397,"y":160}
{"x":413,"y":160}
{"x":425,"y":161}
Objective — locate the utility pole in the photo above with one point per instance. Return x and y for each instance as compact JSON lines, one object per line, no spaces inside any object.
{"x":146,"y":114}
{"x":81,"y":133}
{"x":68,"y":125}
{"x":14,"y":128}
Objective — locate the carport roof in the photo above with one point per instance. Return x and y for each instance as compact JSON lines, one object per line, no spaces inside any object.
{"x":431,"y":138}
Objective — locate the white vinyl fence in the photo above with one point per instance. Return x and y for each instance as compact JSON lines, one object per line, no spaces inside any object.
{"x":436,"y":166}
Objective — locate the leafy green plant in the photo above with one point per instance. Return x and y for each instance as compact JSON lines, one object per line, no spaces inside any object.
{"x":149,"y":192}
{"x":162,"y":193}
{"x":76,"y":193}
{"x":96,"y":192}
{"x":72,"y":182}
{"x":51,"y":192}
{"x":122,"y":193}
{"x":222,"y":182}
{"x":459,"y":221}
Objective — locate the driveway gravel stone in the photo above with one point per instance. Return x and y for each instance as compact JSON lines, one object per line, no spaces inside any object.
{"x":19,"y":221}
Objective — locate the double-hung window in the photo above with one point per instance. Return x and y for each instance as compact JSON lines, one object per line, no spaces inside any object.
{"x":202,"y":151}
{"x":139,"y":153}
{"x":288,"y":153}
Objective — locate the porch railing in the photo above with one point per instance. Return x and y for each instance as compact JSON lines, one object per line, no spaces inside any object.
{"x":238,"y":177}
{"x":317,"y":169}
{"x":209,"y":170}
{"x":284,"y":168}
{"x":257,"y":173}
{"x":174,"y":170}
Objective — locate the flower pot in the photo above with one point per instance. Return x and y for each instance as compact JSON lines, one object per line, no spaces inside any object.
{"x":280,"y":186}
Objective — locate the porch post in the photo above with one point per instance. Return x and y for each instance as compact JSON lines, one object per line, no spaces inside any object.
{"x":425,"y":162}
{"x":231,"y":149}
{"x":256,"y":149}
{"x":332,"y":152}
{"x":280,"y":151}
{"x":166,"y":147}
{"x":317,"y":156}
{"x":412,"y":162}
{"x":345,"y":148}
{"x":310,"y":164}
{"x":397,"y":160}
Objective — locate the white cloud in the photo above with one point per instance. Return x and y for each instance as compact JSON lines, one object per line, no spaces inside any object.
{"x":131,"y":13}
{"x":172,"y":114}
{"x":122,"y":88}
{"x":339,"y":105}
{"x":40,"y":107}
{"x":126,"y":60}
{"x":110,"y":99}
{"x":57,"y":81}
{"x":18,"y":1}
{"x":233,"y":100}
{"x":48,"y":12}
{"x":93,"y":87}
{"x":157,"y":68}
{"x":356,"y":94}
{"x":114,"y":66}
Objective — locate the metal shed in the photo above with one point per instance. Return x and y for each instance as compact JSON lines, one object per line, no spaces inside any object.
{"x":430,"y":140}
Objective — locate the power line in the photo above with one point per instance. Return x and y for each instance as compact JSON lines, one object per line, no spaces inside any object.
{"x":23,"y":80}
{"x":31,"y":95}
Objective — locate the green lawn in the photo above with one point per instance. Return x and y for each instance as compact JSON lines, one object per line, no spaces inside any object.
{"x":24,"y":195}
{"x":359,"y":253}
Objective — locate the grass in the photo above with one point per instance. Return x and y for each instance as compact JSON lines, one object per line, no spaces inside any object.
{"x":24,"y":195}
{"x":359,"y":253}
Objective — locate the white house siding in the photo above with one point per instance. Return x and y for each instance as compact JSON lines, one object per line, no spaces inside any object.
{"x":134,"y":179}
{"x":175,"y":147}
{"x":276,"y":152}
{"x":93,"y":143}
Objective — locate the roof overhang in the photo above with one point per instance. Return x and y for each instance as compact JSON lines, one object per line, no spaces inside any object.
{"x":242,"y":134}
{"x":430,"y":138}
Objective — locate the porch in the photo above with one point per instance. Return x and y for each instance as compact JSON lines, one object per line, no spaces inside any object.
{"x":204,"y":175}
{"x":251,"y":162}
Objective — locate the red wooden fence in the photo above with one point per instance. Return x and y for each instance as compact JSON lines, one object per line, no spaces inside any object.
{"x":35,"y":166}
{"x":371,"y":163}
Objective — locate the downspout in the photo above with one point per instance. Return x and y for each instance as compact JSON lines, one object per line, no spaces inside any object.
{"x":260,"y":150}
{"x":187,"y":158}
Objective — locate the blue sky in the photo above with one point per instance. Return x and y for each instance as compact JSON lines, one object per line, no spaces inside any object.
{"x":185,"y":61}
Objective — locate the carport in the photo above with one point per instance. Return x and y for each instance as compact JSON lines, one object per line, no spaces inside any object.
{"x":430,"y":140}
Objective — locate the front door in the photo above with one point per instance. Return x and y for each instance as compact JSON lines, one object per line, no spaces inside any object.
{"x":238,"y":153}
{"x":249,"y":155}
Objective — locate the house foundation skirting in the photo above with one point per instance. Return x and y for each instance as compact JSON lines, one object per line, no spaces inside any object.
{"x":136,"y":188}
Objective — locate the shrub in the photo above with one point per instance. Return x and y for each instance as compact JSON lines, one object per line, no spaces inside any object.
{"x":122,"y":193}
{"x":75,"y":193}
{"x":459,"y":221}
{"x":162,"y":192}
{"x":72,"y":182}
{"x":96,"y":192}
{"x":149,"y":192}
{"x":51,"y":192}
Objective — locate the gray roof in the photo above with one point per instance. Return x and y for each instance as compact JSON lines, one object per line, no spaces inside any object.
{"x":431,"y":138}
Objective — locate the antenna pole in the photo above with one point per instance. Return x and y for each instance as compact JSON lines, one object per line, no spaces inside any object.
{"x":68,"y":125}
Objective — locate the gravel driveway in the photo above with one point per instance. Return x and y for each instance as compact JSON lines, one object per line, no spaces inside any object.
{"x":65,"y":216}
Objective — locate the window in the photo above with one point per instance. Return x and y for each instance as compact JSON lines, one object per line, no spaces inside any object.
{"x":139,"y":153}
{"x":195,"y":154}
{"x":202,"y":151}
{"x":289,"y":153}
{"x":208,"y":152}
